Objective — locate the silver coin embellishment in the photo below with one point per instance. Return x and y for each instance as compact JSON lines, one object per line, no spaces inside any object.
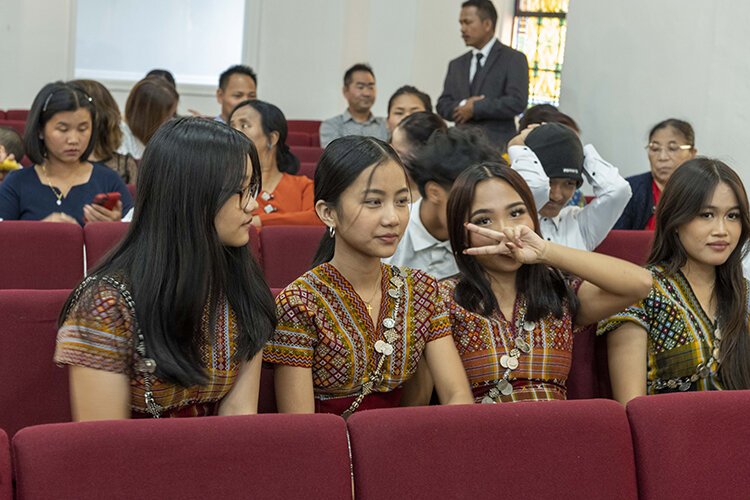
{"x":512,"y":363}
{"x":504,"y":360}
{"x":528,"y":326}
{"x":394,"y":293}
{"x":389,"y":322}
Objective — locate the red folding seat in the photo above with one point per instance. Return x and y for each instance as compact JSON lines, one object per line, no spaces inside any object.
{"x":692,"y":445}
{"x":556,"y":449}
{"x":582,"y":379}
{"x":311,"y":127}
{"x":307,"y":169}
{"x":17,"y":114}
{"x":132,"y":191}
{"x":298,"y":139}
{"x":33,"y":390}
{"x":254,"y":456}
{"x":6,"y":472}
{"x":2,"y":114}
{"x":17,"y":125}
{"x":633,"y":246}
{"x":40,"y":255}
{"x":100,"y":238}
{"x":287,"y":252}
{"x":309,"y":154}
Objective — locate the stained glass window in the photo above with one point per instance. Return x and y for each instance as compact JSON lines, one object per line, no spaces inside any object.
{"x":539,"y":28}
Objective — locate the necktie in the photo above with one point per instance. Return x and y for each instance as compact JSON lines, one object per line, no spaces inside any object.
{"x":474,"y":80}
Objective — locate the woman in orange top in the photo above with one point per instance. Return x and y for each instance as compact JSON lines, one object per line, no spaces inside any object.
{"x":286,"y":199}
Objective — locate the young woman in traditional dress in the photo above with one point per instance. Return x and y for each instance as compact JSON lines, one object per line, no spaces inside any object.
{"x":691,"y":332}
{"x":519,"y":298}
{"x":352,"y":330}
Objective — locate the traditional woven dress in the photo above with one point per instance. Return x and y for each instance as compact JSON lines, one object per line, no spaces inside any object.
{"x":682,"y":338}
{"x":543,"y":353}
{"x":324,"y":325}
{"x":99,"y":333}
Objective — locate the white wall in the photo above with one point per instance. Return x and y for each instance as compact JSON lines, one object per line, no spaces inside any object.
{"x":628,"y":65}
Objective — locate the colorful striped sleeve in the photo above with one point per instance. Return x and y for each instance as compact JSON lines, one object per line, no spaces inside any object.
{"x":293,"y":343}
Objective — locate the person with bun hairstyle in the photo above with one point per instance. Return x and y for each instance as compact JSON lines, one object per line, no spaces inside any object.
{"x":287,"y":198}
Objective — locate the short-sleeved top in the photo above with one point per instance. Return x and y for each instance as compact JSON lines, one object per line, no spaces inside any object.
{"x":292,"y":202}
{"x":345,"y":124}
{"x":481,"y":342}
{"x":23,"y":195}
{"x":680,"y":333}
{"x":323,"y":324}
{"x":99,"y":333}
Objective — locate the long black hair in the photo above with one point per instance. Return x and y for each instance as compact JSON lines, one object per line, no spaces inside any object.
{"x":338,"y":168}
{"x":544,"y":287}
{"x":687,"y":191}
{"x":173,"y":262}
{"x":272,"y":119}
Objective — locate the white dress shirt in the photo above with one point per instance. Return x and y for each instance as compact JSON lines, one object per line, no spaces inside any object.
{"x":583,"y":228}
{"x":418,"y":249}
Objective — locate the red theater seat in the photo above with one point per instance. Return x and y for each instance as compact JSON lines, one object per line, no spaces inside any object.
{"x":692,"y":445}
{"x":307,"y":169}
{"x":2,"y":114}
{"x":40,"y":255}
{"x":558,"y":449}
{"x":288,"y":252}
{"x":17,"y":125}
{"x":100,"y":238}
{"x":311,"y":127}
{"x":32,"y":389}
{"x":132,"y":191}
{"x":298,"y":139}
{"x":582,"y":379}
{"x":17,"y":114}
{"x":310,"y":154}
{"x":256,"y":456}
{"x":6,"y":473}
{"x":633,"y":246}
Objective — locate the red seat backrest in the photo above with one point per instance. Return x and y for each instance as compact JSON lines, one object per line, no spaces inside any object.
{"x":298,"y":139}
{"x":6,"y":472}
{"x":17,"y":114}
{"x":709,"y":430}
{"x":307,"y":154}
{"x":18,"y":125}
{"x":100,"y":238}
{"x":307,"y":169}
{"x":571,"y":449}
{"x":311,"y":127}
{"x":253,"y":456}
{"x":33,"y":389}
{"x":633,"y":246}
{"x":132,"y":190}
{"x":40,"y":255}
{"x":2,"y":114}
{"x":288,"y":252}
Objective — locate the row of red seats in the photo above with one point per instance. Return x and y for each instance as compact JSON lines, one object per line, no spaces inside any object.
{"x":691,"y":445}
{"x":41,"y":255}
{"x":14,"y":114}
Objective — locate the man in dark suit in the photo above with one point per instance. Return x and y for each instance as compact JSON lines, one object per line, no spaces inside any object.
{"x":488,"y":86}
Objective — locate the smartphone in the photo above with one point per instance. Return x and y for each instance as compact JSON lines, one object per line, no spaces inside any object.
{"x":107,"y":200}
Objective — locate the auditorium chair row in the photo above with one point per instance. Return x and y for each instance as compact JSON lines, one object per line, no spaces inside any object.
{"x":43,"y":255}
{"x":681,"y":446}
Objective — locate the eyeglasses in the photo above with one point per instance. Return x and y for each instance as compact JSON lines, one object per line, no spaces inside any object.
{"x":249,"y":193}
{"x":671,"y":149}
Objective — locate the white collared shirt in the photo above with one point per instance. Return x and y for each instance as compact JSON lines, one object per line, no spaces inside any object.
{"x":485,"y":52}
{"x":418,"y":249}
{"x":583,"y":228}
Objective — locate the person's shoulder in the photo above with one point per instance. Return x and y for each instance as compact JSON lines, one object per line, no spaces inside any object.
{"x":334,"y":120}
{"x":297,"y":180}
{"x":643,"y":178}
{"x":20,"y":176}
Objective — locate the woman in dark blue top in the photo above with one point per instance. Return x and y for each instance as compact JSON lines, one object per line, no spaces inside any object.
{"x":62,"y":184}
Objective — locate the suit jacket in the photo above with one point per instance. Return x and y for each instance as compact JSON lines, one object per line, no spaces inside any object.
{"x":504,"y":82}
{"x":640,"y":208}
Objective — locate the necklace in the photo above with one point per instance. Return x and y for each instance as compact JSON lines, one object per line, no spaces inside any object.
{"x":509,"y":361}
{"x":367,"y":302}
{"x":58,"y":193}
{"x":702,"y":371}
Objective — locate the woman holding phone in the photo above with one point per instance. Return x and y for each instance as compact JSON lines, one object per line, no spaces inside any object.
{"x":62,"y":184}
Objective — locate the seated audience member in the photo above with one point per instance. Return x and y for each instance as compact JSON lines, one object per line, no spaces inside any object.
{"x":151,"y":102}
{"x":513,"y":313}
{"x":410,"y":135}
{"x":352,"y":330}
{"x":553,"y":162}
{"x":165,"y":74}
{"x":238,"y":83}
{"x":359,"y":91}
{"x":670,"y":144}
{"x":425,"y":245}
{"x":547,"y":113}
{"x":691,"y":332}
{"x":405,"y":101}
{"x":286,"y":198}
{"x":173,"y":322}
{"x":62,"y":184}
{"x":107,"y":134}
{"x":11,"y":151}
